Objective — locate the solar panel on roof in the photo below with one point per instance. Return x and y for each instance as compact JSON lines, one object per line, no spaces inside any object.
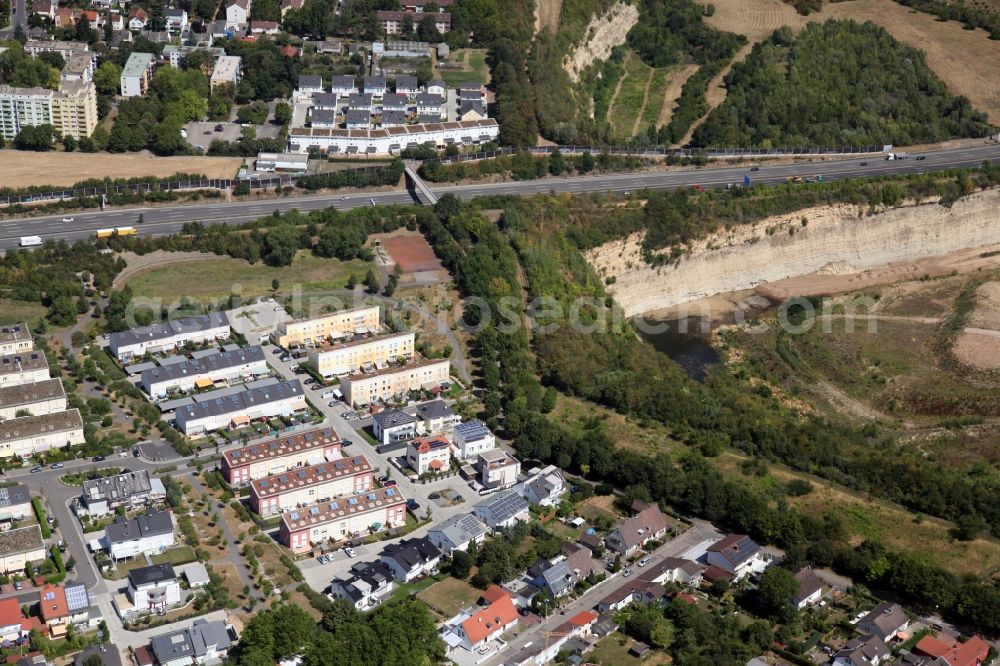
{"x":390,"y":492}
{"x":49,"y":596}
{"x":314,"y":511}
{"x":352,"y":501}
{"x":76,"y":597}
{"x":333,"y":506}
{"x":295,"y":515}
{"x":302,"y":474}
{"x":371,"y":496}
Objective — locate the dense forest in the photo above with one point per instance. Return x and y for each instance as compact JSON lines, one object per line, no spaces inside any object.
{"x":839,"y":83}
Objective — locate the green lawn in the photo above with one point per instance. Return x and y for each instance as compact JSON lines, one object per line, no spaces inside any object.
{"x":447,"y":597}
{"x":217,"y":278}
{"x":613,"y":651}
{"x":477,"y":70}
{"x":178,"y":555}
{"x":15,"y":312}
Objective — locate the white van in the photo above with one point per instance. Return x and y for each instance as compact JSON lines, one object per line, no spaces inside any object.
{"x":30,"y":241}
{"x":327,"y":395}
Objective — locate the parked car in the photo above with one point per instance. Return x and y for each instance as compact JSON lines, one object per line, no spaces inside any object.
{"x":310,"y":380}
{"x":57,"y":466}
{"x":218,"y":128}
{"x":346,"y":442}
{"x":643,"y":562}
{"x":350,"y":551}
{"x":18,"y":585}
{"x":390,"y":482}
{"x":35,"y":470}
{"x":412,"y":504}
{"x":98,"y":459}
{"x":277,"y":351}
{"x":626,"y":573}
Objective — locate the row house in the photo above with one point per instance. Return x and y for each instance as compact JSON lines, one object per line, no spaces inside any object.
{"x":429,"y":130}
{"x":362,"y":353}
{"x":24,"y":368}
{"x":168,"y":336}
{"x":25,"y":436}
{"x":332,"y":326}
{"x":309,"y":485}
{"x":394,"y":382}
{"x":343,"y":518}
{"x":203,"y":372}
{"x":263,"y":459}
{"x":15,"y":339}
{"x":220,"y":409}
{"x":38,"y":399}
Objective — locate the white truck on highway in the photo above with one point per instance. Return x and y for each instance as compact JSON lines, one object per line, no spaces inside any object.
{"x":896,"y":156}
{"x":31,"y":241}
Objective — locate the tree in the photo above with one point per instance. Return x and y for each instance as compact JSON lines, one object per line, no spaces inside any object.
{"x":280,"y":245}
{"x":557,"y":164}
{"x":352,"y":281}
{"x":461,"y":564}
{"x":541,"y":603}
{"x":69,"y":144}
{"x":275,"y":284}
{"x":283,"y":113}
{"x":62,"y":312}
{"x":371,"y":281}
{"x":776,"y":589}
{"x":83,"y":31}
{"x":35,"y":137}
{"x":20,"y":35}
{"x":586,"y":164}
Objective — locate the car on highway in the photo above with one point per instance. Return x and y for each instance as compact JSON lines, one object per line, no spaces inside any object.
{"x":755,"y":168}
{"x":644,"y":561}
{"x":350,"y":551}
{"x":864,"y":164}
{"x":921,"y":157}
{"x":344,"y":198}
{"x":626,"y":573}
{"x":67,"y":219}
{"x":98,"y":459}
{"x":57,"y":466}
{"x":35,"y":470}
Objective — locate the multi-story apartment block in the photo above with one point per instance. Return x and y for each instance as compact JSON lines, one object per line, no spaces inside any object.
{"x":137,"y":73}
{"x":362,"y":353}
{"x":170,"y":335}
{"x":428,"y":454}
{"x":23,"y":368}
{"x":74,"y":108}
{"x":392,"y":22}
{"x":153,"y":589}
{"x":130,"y":490}
{"x":333,"y":326}
{"x":239,"y":409}
{"x":394,"y":381}
{"x":80,"y":67}
{"x":15,"y":339}
{"x":23,"y":107}
{"x":203,"y":372}
{"x":227,"y":70}
{"x":38,"y":399}
{"x":26,"y":435}
{"x":148,"y":533}
{"x":66,"y":49}
{"x":376,"y":509}
{"x":309,"y":485}
{"x":257,"y":461}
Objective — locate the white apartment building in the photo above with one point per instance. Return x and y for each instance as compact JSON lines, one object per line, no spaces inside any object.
{"x":130,"y":537}
{"x":428,"y":454}
{"x":205,"y":371}
{"x":392,"y":140}
{"x":137,"y":73}
{"x":23,"y":107}
{"x":239,"y":409}
{"x":23,"y":368}
{"x":357,"y":355}
{"x":333,"y":326}
{"x":80,"y":67}
{"x":170,"y":335}
{"x":20,"y":546}
{"x":394,"y":382}
{"x":66,"y":49}
{"x":237,"y":13}
{"x":227,"y":70}
{"x":154,"y":588}
{"x":38,"y":399}
{"x":15,"y":339}
{"x":473,"y":438}
{"x":35,"y":434}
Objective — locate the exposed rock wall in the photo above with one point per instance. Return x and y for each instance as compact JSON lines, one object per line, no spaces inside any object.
{"x":834,"y":239}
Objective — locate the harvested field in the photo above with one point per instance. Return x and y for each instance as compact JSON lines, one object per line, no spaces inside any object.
{"x":963,"y":59}
{"x":412,"y":253}
{"x":978,"y":349}
{"x":24,"y":169}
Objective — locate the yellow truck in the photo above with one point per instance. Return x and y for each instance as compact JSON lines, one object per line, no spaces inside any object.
{"x":125,"y":231}
{"x":105,"y":233}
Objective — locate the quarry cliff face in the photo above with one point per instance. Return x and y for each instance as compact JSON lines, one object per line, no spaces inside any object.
{"x":827,"y":239}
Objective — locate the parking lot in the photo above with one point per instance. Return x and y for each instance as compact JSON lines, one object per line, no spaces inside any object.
{"x":202,"y":134}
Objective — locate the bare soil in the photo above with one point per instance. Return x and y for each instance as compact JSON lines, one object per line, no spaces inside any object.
{"x":675,"y":84}
{"x":25,"y":169}
{"x":547,"y":15}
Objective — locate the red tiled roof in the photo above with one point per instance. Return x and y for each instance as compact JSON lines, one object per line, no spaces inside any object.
{"x":52,"y":602}
{"x":487,"y":621}
{"x":494,"y":592}
{"x":583,"y":618}
{"x":969,"y":653}
{"x":10,"y":612}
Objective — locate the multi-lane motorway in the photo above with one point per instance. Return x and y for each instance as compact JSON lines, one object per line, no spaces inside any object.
{"x":169,"y":219}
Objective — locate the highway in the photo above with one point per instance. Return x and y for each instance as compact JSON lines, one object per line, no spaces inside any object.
{"x":170,"y":219}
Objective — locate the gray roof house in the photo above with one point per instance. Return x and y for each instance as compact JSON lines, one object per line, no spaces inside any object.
{"x":393,"y":425}
{"x":142,"y":534}
{"x":393,"y":118}
{"x":411,"y":558}
{"x":457,"y":533}
{"x":544,"y":486}
{"x":864,"y":651}
{"x":884,"y":621}
{"x":202,"y":642}
{"x":436,"y":415}
{"x":100,"y":496}
{"x":636,"y":531}
{"x":502,"y":510}
{"x":343,"y":85}
{"x":366,"y":586}
{"x":122,"y":342}
{"x":554,"y":576}
{"x":324,"y":100}
{"x":108,"y":653}
{"x":310,"y":83}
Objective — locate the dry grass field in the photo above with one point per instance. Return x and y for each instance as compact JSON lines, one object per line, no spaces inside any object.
{"x":24,"y":169}
{"x":963,"y":59}
{"x":675,"y":84}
